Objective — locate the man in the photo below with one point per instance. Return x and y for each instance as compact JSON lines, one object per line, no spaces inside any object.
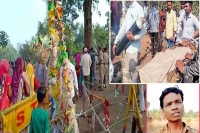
{"x":154,"y":21}
{"x":134,"y":12}
{"x":171,"y":24}
{"x":92,"y":67}
{"x":171,"y":103}
{"x":190,"y":71}
{"x":115,"y":16}
{"x":85,"y":64}
{"x":181,"y":13}
{"x":105,"y":62}
{"x":100,"y":62}
{"x":189,"y":22}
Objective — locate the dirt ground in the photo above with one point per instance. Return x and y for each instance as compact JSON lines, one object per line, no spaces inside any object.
{"x":114,"y":110}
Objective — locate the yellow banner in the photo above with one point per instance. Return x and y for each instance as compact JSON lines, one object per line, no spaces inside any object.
{"x":18,"y":116}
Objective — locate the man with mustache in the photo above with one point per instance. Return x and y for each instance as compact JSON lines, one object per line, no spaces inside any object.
{"x":171,"y":103}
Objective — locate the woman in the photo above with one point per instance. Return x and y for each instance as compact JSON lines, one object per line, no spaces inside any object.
{"x":32,"y":80}
{"x":5,"y":85}
{"x":20,"y":85}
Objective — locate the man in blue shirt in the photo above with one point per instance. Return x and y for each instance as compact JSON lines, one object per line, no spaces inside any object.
{"x":92,"y":75}
{"x":154,"y":21}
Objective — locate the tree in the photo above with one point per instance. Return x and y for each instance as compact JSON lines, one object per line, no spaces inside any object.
{"x":24,"y":51}
{"x":42,"y":29}
{"x":9,"y":53}
{"x":78,"y":34}
{"x":71,"y":8}
{"x":4,"y":39}
{"x":100,"y":36}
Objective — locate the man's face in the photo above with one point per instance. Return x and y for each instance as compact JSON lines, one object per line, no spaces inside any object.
{"x":169,"y":6}
{"x":182,"y":5}
{"x":173,"y":107}
{"x":187,"y":8}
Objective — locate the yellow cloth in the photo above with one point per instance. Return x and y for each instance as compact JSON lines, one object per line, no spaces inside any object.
{"x":171,"y":24}
{"x":31,"y":76}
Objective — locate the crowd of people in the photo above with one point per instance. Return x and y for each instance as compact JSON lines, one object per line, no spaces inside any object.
{"x":23,"y":79}
{"x":164,"y":25}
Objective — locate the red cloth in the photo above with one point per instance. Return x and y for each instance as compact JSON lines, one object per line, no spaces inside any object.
{"x":106,"y":112}
{"x":4,"y":101}
{"x":162,"y":26}
{"x":36,"y":84}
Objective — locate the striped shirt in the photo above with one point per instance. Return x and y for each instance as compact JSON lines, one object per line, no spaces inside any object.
{"x":154,"y":20}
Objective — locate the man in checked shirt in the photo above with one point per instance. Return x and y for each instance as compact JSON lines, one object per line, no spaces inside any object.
{"x":171,"y":103}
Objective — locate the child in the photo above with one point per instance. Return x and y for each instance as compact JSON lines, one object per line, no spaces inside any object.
{"x":39,"y":117}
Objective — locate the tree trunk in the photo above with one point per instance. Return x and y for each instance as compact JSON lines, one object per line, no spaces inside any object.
{"x":87,"y":7}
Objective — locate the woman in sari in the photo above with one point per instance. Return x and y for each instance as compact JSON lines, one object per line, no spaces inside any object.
{"x":5,"y":85}
{"x":20,"y":84}
{"x":34,"y":84}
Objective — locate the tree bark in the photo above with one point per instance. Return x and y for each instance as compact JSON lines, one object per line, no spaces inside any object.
{"x":87,"y":7}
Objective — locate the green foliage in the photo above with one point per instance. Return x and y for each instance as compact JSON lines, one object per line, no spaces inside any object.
{"x":9,"y":53}
{"x":42,"y":29}
{"x":4,"y":39}
{"x":72,"y":8}
{"x":24,"y":51}
{"x":100,"y":36}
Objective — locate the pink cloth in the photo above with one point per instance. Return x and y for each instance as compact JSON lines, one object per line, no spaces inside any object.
{"x":17,"y":72}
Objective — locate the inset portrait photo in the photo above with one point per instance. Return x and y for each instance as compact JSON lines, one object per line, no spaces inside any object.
{"x":173,"y":108}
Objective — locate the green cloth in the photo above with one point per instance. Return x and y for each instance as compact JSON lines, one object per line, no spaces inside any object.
{"x":39,"y":121}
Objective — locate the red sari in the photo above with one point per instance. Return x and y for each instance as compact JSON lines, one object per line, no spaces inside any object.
{"x":5,"y":82}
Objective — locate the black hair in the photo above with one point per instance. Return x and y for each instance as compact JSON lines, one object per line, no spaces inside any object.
{"x":170,"y":90}
{"x":190,"y":2}
{"x":169,"y":1}
{"x":91,"y":49}
{"x":105,"y":49}
{"x":41,"y":94}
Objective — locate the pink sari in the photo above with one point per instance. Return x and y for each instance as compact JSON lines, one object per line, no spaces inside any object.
{"x":5,"y":81}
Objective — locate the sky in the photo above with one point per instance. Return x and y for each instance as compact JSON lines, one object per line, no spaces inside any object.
{"x":190,"y":91}
{"x":19,"y":18}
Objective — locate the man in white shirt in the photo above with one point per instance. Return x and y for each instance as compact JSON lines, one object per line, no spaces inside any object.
{"x":181,"y":13}
{"x":85,"y":64}
{"x":131,"y":58}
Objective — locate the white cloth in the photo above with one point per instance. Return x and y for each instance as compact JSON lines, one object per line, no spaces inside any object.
{"x":111,"y":70}
{"x":73,"y":77}
{"x":85,"y":64}
{"x":141,"y":97}
{"x":134,"y":12}
{"x":156,"y":70}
